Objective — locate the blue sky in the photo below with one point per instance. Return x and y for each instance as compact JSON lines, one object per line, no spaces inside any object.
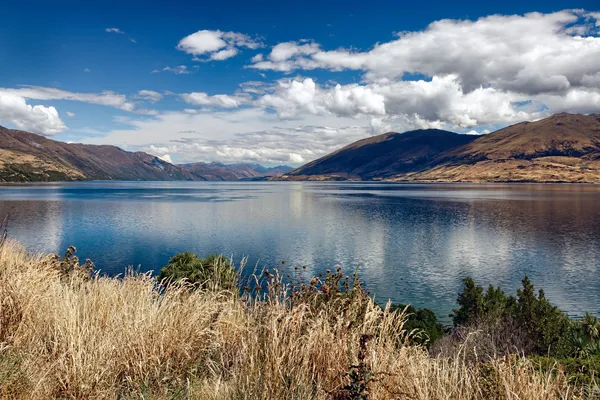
{"x":275,"y":83}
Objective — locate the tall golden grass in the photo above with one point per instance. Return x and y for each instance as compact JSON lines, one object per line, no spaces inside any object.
{"x":109,"y":338}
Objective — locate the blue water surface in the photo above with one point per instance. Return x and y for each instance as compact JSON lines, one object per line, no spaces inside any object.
{"x":414,"y":242}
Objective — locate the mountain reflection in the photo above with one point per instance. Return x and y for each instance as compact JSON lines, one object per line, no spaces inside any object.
{"x":414,"y":243}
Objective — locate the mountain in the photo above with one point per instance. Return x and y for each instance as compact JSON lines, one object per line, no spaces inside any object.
{"x":381,"y":156}
{"x":560,"y":148}
{"x":229,"y":172}
{"x":27,"y":157}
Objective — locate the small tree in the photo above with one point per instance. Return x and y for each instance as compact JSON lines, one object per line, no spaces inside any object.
{"x":214,"y":271}
{"x":545,"y":324}
{"x":471,"y":304}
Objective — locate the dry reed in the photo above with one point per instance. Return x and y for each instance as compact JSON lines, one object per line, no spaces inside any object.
{"x":109,"y":338}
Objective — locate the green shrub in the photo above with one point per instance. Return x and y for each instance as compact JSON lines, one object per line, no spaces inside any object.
{"x":421,"y":321}
{"x":477,"y":307}
{"x":547,"y":329}
{"x":578,"y":370}
{"x":213,"y":271}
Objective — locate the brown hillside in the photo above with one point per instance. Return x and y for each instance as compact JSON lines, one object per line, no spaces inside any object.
{"x":382,"y":156}
{"x":560,"y":148}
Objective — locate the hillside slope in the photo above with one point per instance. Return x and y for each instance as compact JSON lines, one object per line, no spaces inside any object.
{"x":27,"y":157}
{"x":381,"y":156}
{"x":560,"y":148}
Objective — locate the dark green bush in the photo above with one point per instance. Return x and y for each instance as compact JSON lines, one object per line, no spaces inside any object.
{"x":546,"y":329}
{"x":214,"y":271}
{"x":423,"y":322}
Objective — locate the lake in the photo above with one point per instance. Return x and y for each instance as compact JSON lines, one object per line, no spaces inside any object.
{"x":413,"y":242}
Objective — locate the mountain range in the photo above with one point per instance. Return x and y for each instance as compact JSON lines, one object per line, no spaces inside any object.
{"x":27,"y":157}
{"x":232,"y":172}
{"x":561,"y":148}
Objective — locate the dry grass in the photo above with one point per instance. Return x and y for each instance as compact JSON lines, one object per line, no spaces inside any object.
{"x":124,"y":338}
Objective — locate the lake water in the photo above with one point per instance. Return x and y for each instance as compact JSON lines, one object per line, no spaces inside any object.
{"x":414,"y":243}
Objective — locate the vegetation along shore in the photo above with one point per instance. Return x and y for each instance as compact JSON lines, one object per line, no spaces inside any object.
{"x":197,"y":331}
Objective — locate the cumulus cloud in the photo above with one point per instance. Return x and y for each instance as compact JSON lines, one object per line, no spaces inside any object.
{"x":218,"y":100}
{"x":294,"y":97}
{"x":531,"y":54}
{"x":178,"y":70}
{"x":286,"y":57}
{"x":39,"y":119}
{"x":149,"y":96}
{"x":217,"y":45}
{"x":105,"y":98}
{"x":70,"y":114}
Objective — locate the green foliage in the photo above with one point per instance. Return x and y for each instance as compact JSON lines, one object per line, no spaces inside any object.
{"x":471,"y":304}
{"x":585,"y":338}
{"x":477,"y":307}
{"x":545,"y":326}
{"x":578,"y":370}
{"x":421,"y":321}
{"x":215,"y":270}
{"x":548,"y":327}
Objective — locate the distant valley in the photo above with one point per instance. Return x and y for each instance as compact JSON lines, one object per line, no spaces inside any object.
{"x":560,"y":148}
{"x":27,"y":157}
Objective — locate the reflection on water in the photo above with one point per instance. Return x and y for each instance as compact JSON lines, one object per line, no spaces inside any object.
{"x":414,"y":243}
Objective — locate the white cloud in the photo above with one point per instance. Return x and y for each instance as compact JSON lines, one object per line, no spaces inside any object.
{"x":218,"y":100}
{"x":295,"y":97}
{"x":149,"y":96}
{"x":178,"y":70}
{"x":146,"y":111}
{"x":70,"y":114}
{"x":120,"y":32}
{"x":105,"y":98}
{"x":224,"y":54}
{"x":245,"y":134}
{"x":166,"y":157}
{"x":286,"y":57}
{"x":87,"y":70}
{"x":531,"y":54}
{"x":216,"y":45}
{"x":39,"y":119}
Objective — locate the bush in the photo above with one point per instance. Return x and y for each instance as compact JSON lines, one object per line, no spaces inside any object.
{"x":215,"y":271}
{"x":578,"y":370}
{"x":547,"y":329}
{"x":422,"y":322}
